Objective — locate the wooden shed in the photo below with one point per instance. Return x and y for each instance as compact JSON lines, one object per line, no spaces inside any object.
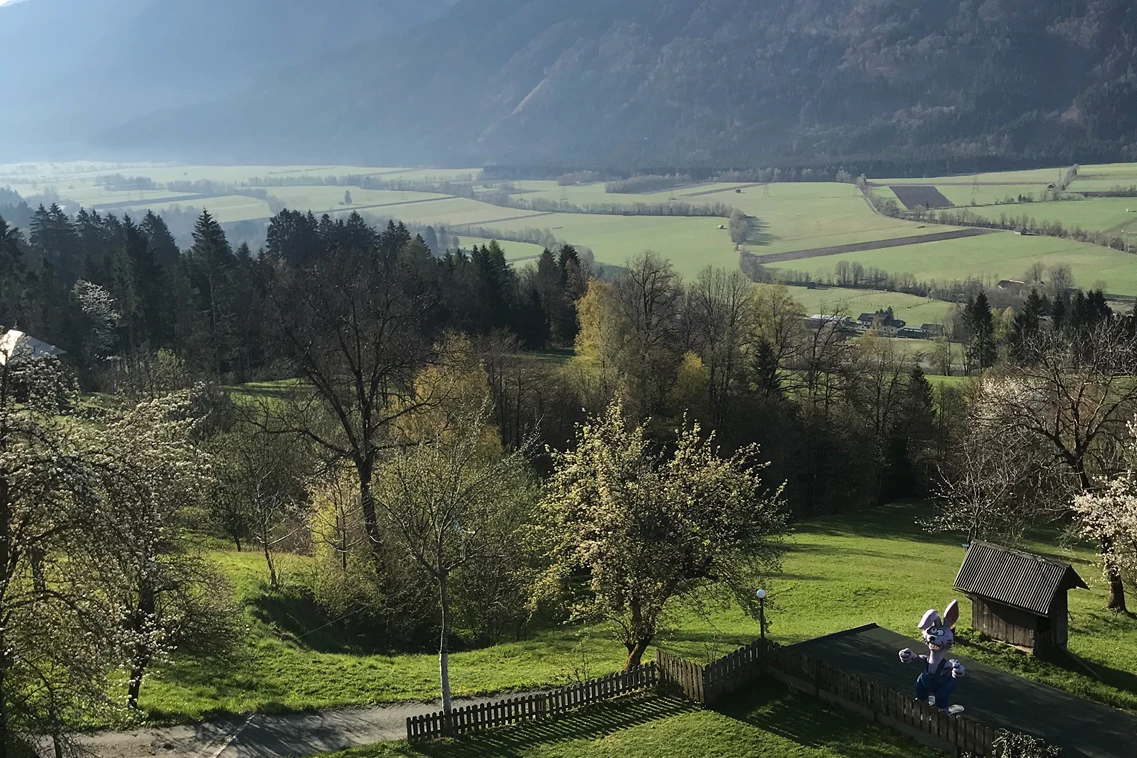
{"x":1018,"y":597}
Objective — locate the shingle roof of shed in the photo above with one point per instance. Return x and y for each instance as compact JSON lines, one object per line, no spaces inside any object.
{"x":1012,"y":577}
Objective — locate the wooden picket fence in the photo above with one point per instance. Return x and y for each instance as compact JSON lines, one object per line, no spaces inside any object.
{"x":477,"y":718}
{"x":900,"y":711}
{"x":705,"y":684}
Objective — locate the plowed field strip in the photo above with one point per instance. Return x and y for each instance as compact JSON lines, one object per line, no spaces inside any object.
{"x":861,"y":247}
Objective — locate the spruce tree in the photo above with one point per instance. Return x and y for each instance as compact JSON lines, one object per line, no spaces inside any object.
{"x":982,"y":327}
{"x":1026,"y":327}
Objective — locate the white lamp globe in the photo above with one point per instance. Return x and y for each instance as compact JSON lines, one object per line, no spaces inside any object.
{"x":761,"y":594}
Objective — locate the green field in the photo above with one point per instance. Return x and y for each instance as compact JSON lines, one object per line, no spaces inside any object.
{"x":768,"y":721}
{"x":793,"y":216}
{"x":840,"y":572}
{"x":992,"y":257}
{"x":912,"y":309}
{"x":1104,"y":214}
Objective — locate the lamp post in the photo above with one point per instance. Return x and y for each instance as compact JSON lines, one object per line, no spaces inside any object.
{"x":762,"y":612}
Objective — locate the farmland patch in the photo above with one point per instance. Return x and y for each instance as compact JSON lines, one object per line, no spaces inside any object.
{"x":920,"y":196}
{"x":860,"y":247}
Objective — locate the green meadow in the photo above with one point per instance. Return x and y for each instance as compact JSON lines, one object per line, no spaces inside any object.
{"x":839,"y":572}
{"x":995,"y":256}
{"x":793,"y":216}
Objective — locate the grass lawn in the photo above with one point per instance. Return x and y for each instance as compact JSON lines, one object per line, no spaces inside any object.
{"x":768,"y":720}
{"x":992,"y":257}
{"x":840,"y":572}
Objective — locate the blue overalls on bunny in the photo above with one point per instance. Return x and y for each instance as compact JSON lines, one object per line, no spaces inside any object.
{"x":940,"y":675}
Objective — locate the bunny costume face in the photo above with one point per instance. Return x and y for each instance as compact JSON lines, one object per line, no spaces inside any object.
{"x":939,"y":632}
{"x":939,"y":677}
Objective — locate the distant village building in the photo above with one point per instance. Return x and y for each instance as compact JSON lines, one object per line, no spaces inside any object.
{"x":1018,"y":597}
{"x":933,"y":330}
{"x":912,"y":333}
{"x":1012,"y":285}
{"x":882,"y":321}
{"x":16,"y":346}
{"x":819,"y":320}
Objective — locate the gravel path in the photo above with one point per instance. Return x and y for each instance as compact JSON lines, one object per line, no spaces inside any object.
{"x":267,"y":736}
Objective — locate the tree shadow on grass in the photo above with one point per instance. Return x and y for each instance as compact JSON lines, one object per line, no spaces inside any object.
{"x":758,"y":235}
{"x":590,"y":723}
{"x":806,"y":721}
{"x":296,"y":615}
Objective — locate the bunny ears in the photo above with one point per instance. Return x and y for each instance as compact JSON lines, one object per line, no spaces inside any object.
{"x":932,"y":618}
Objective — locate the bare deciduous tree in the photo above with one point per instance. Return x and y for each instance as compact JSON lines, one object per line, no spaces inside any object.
{"x":1074,"y":399}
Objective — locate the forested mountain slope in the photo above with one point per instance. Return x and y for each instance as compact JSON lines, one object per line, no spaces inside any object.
{"x":70,"y":69}
{"x":696,"y":82}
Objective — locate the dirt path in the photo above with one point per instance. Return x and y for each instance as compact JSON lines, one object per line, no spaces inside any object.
{"x":267,"y":736}
{"x":861,"y":247}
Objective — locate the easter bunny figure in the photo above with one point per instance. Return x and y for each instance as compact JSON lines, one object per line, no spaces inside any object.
{"x":940,"y":675}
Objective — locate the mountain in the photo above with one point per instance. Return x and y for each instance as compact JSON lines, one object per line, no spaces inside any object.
{"x":684,"y":83}
{"x":72,"y":69}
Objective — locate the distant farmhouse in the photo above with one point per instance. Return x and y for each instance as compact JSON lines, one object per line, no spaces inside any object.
{"x":821,"y":320}
{"x":1012,"y":285}
{"x":884,"y":322}
{"x":932,"y":330}
{"x":15,"y":346}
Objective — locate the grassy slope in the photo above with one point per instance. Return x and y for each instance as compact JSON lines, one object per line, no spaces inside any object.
{"x":840,"y":572}
{"x":768,"y":721}
{"x":1096,"y":214}
{"x":915,"y":310}
{"x":993,"y":256}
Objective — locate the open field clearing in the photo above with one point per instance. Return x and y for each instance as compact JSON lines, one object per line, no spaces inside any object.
{"x":1038,"y":176}
{"x":863,"y":247}
{"x":840,"y":572}
{"x":917,"y":195}
{"x":1105,"y":177}
{"x":989,"y":194}
{"x":225,"y":209}
{"x":995,"y":256}
{"x":44,"y":172}
{"x":915,"y":310}
{"x":1103,"y":214}
{"x":690,"y":243}
{"x":515,"y":252}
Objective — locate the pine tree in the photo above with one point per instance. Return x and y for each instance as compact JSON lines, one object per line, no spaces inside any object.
{"x":1026,"y":327}
{"x":981,"y":325}
{"x":210,"y":263}
{"x":767,"y":374}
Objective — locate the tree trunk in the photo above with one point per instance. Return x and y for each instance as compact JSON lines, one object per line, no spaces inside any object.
{"x":365,"y":470}
{"x":147,"y":603}
{"x":444,"y":643}
{"x":272,"y":579}
{"x":635,"y":654}
{"x":1116,"y":587}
